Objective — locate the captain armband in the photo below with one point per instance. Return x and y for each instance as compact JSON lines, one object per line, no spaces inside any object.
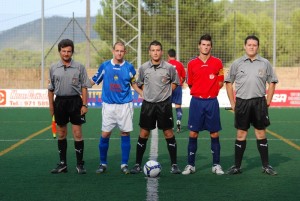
{"x":133,"y":80}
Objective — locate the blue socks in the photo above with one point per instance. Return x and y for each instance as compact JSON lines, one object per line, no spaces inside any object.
{"x":125,"y":147}
{"x":192,"y":149}
{"x":215,"y":150}
{"x":179,"y":113}
{"x":103,"y":148}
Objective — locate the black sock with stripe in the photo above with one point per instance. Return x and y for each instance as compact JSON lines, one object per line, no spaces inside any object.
{"x":240,"y":147}
{"x":262,"y":146}
{"x":172,"y":148}
{"x":62,"y":149}
{"x":140,"y":150}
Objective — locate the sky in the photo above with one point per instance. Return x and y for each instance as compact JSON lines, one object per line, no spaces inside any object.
{"x":17,"y":12}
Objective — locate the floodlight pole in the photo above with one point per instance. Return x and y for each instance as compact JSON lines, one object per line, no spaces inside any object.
{"x":177,"y":31}
{"x":42,"y":38}
{"x":139,"y":49}
{"x":132,"y":42}
{"x":114,"y":22}
{"x":88,"y":25}
{"x":274,"y":34}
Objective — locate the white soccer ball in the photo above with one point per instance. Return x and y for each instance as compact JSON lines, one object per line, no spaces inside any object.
{"x":152,"y":169}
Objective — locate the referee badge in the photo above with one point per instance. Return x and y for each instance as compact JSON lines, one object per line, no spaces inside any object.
{"x":75,"y":81}
{"x":261,"y":72}
{"x":164,"y":79}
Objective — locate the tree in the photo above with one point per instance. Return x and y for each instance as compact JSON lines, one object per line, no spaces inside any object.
{"x":158,"y":23}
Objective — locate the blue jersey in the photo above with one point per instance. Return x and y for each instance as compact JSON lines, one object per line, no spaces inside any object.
{"x":117,"y":79}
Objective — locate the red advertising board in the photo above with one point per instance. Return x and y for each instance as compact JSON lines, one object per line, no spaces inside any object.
{"x":286,"y":98}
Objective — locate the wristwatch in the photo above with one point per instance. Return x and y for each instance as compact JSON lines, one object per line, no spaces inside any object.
{"x":85,"y":106}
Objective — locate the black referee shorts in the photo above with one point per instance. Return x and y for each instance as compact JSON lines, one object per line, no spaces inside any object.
{"x":251,"y":111}
{"x":67,"y":109}
{"x":160,"y":112}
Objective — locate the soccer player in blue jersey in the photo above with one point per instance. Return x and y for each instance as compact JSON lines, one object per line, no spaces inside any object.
{"x":117,"y":77}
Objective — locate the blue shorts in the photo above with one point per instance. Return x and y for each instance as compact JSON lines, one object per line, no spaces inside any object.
{"x":177,"y":95}
{"x":204,"y":114}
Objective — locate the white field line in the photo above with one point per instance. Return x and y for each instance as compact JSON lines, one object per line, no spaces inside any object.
{"x":152,"y":183}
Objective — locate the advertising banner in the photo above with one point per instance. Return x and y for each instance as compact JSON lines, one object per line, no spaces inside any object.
{"x":286,"y":98}
{"x":24,"y":98}
{"x":39,"y":98}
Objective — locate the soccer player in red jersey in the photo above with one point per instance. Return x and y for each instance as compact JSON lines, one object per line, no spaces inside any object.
{"x":205,"y":78}
{"x":177,"y":93}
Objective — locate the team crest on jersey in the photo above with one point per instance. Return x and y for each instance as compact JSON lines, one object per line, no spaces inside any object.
{"x":75,"y":81}
{"x":211,"y":76}
{"x":116,"y":77}
{"x":261,"y":72}
{"x":164,"y":79}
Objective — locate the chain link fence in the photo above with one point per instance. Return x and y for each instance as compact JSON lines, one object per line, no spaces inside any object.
{"x":176,"y":24}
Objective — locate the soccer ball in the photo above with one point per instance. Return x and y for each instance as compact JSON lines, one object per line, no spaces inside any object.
{"x":152,"y":169}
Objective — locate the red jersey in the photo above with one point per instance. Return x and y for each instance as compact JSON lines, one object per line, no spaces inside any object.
{"x":203,"y":78}
{"x":179,"y":68}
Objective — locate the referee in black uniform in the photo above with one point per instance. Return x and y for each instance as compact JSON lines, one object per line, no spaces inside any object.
{"x":68,"y":81}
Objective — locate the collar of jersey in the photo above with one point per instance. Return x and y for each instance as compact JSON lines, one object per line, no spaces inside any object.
{"x":62,"y":65}
{"x":112,"y":63}
{"x":159,"y":66}
{"x":257,"y":57}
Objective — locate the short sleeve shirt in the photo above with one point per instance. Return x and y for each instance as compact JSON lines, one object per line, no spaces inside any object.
{"x":250,"y":77}
{"x":67,"y":81}
{"x":204,"y":77}
{"x":157,"y":81}
{"x":117,"y":79}
{"x":180,"y":70}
